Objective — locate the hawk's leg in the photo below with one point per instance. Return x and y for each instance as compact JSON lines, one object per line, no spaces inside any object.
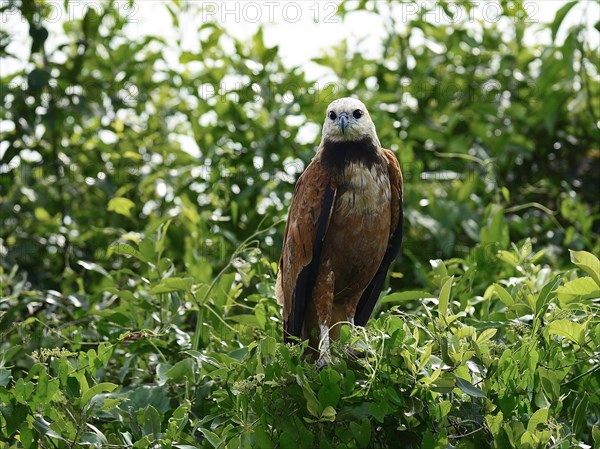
{"x":324,"y":353}
{"x":323,"y":299}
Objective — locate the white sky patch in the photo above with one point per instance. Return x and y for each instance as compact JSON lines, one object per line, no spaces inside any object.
{"x":188,"y":144}
{"x":308,"y":133}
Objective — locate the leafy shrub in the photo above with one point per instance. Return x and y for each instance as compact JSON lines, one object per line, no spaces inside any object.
{"x":137,"y":267}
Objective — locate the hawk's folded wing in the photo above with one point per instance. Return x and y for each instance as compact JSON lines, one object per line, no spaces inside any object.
{"x":308,"y":219}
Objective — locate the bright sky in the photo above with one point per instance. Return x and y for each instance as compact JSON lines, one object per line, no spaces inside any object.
{"x":301,"y":28}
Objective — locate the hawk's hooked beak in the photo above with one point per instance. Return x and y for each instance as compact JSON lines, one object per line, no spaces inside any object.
{"x":343,"y":119}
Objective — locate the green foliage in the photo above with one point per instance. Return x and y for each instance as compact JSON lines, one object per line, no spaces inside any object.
{"x":142,"y":203}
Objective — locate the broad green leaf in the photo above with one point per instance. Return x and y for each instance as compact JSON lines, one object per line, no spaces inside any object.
{"x":486,"y":335}
{"x":152,"y":422}
{"x":568,"y":329}
{"x":212,"y":438}
{"x":465,"y":331}
{"x":43,"y":427}
{"x":441,"y":409}
{"x":5,"y":377}
{"x":121,"y":206}
{"x":539,"y":417}
{"x":14,"y":414}
{"x":550,"y":383}
{"x":504,"y":296}
{"x":468,"y":388}
{"x":494,"y":423}
{"x":104,"y":387}
{"x":588,"y":263}
{"x":361,"y":432}
{"x":577,"y":290}
{"x":379,"y":410}
{"x":329,"y":395}
{"x":444,"y":384}
{"x":182,"y":370}
{"x":124,"y":249}
{"x":174,"y":284}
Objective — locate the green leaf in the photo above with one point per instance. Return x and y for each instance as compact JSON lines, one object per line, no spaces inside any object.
{"x":486,"y":335}
{"x":568,"y":329}
{"x":468,"y":388}
{"x":329,"y":394}
{"x":579,"y":418}
{"x":504,"y":296}
{"x":174,"y":284}
{"x":312,"y":403}
{"x":14,"y":414}
{"x":125,"y":249}
{"x":402,"y":297}
{"x":286,"y":440}
{"x":328,"y":414}
{"x":121,"y":206}
{"x":105,"y":387}
{"x":425,"y":357}
{"x":361,"y":432}
{"x":152,"y":422}
{"x":444,"y":297}
{"x":550,"y":383}
{"x":5,"y":377}
{"x":212,"y":438}
{"x":441,"y":409}
{"x":379,"y":410}
{"x":182,"y":370}
{"x":496,"y":233}
{"x":560,"y":16}
{"x":43,"y":427}
{"x":546,"y":293}
{"x":577,"y":290}
{"x":588,"y":263}
{"x":494,"y":423}
{"x":539,"y":417}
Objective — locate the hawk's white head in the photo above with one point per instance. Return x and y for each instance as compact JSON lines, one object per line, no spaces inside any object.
{"x":347,"y":120}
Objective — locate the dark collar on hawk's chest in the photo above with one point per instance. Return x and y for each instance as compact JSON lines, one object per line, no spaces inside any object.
{"x":338,"y":155}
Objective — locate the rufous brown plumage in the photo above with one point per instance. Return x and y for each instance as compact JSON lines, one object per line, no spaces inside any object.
{"x":344,"y":229}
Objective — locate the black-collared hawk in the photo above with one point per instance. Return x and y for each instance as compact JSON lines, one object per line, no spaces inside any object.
{"x":344,"y":229}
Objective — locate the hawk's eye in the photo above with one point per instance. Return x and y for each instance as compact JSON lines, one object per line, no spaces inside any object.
{"x":332,"y":115}
{"x":357,"y":113}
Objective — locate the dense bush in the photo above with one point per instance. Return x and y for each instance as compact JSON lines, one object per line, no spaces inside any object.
{"x":143,"y":192}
